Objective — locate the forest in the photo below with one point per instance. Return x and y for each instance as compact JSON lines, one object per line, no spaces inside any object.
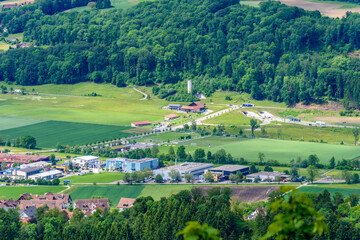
{"x":319,"y":216}
{"x":273,"y":52}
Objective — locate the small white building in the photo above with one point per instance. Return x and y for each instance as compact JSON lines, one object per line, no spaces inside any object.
{"x":265,"y":176}
{"x":41,"y":164}
{"x":320,"y":123}
{"x":194,"y":168}
{"x":85,"y":161}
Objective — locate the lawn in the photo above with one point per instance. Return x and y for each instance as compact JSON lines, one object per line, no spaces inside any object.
{"x":235,"y":117}
{"x":14,"y":192}
{"x":123,"y":4}
{"x":158,"y":191}
{"x":113,"y":106}
{"x":346,"y":190}
{"x":49,"y":133}
{"x":114,"y":192}
{"x":105,"y":177}
{"x":285,"y":151}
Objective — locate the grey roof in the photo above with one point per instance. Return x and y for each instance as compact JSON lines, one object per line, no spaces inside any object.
{"x":275,"y":174}
{"x":175,"y":105}
{"x":187,"y":166}
{"x":30,"y":169}
{"x":29,"y":211}
{"x":142,"y":160}
{"x":230,"y":168}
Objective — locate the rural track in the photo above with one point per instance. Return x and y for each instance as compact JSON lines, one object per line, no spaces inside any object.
{"x":145,"y":95}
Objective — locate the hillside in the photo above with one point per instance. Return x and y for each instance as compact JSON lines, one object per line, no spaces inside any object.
{"x":273,"y":52}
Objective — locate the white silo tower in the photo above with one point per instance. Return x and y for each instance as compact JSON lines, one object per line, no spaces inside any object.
{"x":189,"y":86}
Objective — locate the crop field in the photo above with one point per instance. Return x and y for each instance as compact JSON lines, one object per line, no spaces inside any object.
{"x":49,"y":133}
{"x":105,"y":177}
{"x":14,"y":192}
{"x":345,"y":189}
{"x":158,"y":191}
{"x":7,"y":122}
{"x":326,"y":8}
{"x":114,"y":192}
{"x":285,"y":151}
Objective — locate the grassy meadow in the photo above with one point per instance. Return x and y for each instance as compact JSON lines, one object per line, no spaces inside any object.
{"x":14,"y":192}
{"x":284,"y":151}
{"x":158,"y":191}
{"x":104,"y":177}
{"x":114,"y":106}
{"x":235,"y":117}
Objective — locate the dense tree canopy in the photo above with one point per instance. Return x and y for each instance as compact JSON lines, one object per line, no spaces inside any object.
{"x":273,"y":52}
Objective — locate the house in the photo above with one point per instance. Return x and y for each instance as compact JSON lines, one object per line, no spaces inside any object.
{"x":125,"y":203}
{"x":8,"y":203}
{"x":267,"y":176}
{"x":59,"y":200}
{"x":22,"y":45}
{"x":140,"y":124}
{"x":28,"y":214}
{"x":194,"y":107}
{"x":254,"y":214}
{"x":89,"y":206}
{"x":140,"y":145}
{"x":130,"y":165}
{"x":85,"y":161}
{"x":26,"y":172}
{"x":176,"y":107}
{"x":121,"y":148}
{"x":171,"y":117}
{"x":48,"y":175}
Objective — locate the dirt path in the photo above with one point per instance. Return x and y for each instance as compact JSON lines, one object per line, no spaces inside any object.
{"x":145,"y":95}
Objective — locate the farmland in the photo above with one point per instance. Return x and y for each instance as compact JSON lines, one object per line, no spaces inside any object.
{"x":285,"y":151}
{"x":7,"y":122}
{"x":14,"y":192}
{"x":159,"y":191}
{"x":114,"y":193}
{"x":95,"y":178}
{"x":235,"y":117}
{"x":49,"y":133}
{"x":346,"y":190}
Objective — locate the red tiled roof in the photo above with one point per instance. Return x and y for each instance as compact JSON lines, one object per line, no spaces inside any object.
{"x":126,"y":202}
{"x":142,"y":123}
{"x":21,"y":158}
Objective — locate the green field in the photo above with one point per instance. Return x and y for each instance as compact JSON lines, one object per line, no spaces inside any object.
{"x":105,"y":177}
{"x":235,"y":117}
{"x":213,"y":141}
{"x":15,"y":192}
{"x":285,"y":151}
{"x":167,"y":136}
{"x":114,"y":106}
{"x":114,"y":192}
{"x":15,"y":122}
{"x":159,"y":191}
{"x":346,"y":190}
{"x":49,"y":133}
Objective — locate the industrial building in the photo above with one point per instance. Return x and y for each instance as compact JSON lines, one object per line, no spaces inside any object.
{"x":47,"y":175}
{"x":85,"y":161}
{"x":194,"y":168}
{"x":26,"y":172}
{"x":130,"y":165}
{"x":41,"y":164}
{"x":267,"y":176}
{"x":226,"y":170}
